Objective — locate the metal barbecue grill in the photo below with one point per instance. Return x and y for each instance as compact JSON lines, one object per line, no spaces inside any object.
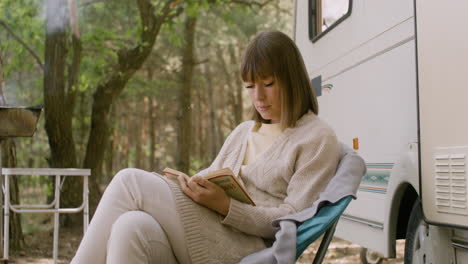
{"x":18,"y":121}
{"x":22,"y":122}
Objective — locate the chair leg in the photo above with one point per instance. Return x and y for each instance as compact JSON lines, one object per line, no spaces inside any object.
{"x":327,"y":238}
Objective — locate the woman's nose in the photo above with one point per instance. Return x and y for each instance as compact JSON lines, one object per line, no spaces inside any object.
{"x":259,"y":93}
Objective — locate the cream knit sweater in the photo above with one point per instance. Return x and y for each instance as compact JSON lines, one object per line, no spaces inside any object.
{"x":259,"y":140}
{"x":286,"y":178}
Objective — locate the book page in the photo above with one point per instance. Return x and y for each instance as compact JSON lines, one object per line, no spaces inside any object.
{"x":232,"y":188}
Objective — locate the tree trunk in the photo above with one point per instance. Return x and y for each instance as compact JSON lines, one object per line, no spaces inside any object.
{"x":185,"y":97}
{"x":59,"y":101}
{"x":129,"y":61}
{"x":109,"y":159}
{"x":110,"y":153}
{"x":214,"y":129}
{"x":200,"y":147}
{"x":2,"y":81}
{"x":231,"y":97}
{"x":8,"y":160}
{"x":98,"y":135}
{"x":139,"y":126}
{"x":153,"y":162}
{"x":126,"y":137}
{"x":238,"y":105}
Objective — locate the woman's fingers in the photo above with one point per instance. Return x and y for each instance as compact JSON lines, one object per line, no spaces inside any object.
{"x":184,"y":185}
{"x":194,"y":184}
{"x":205,"y":193}
{"x":200,"y":181}
{"x":205,"y":183}
{"x":191,"y":188}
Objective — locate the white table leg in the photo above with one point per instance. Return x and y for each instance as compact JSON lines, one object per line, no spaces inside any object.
{"x":56,"y":218}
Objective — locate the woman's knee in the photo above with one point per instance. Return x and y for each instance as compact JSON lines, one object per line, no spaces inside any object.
{"x":136,"y":233}
{"x":135,"y":222}
{"x":130,"y":175}
{"x":138,"y":225}
{"x":125,"y":173}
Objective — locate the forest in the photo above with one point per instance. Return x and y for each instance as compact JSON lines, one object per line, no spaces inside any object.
{"x":124,"y":83}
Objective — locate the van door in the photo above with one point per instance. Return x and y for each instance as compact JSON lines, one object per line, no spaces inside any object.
{"x":442,"y":61}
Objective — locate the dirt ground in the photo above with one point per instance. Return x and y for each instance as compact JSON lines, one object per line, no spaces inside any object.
{"x":39,"y":250}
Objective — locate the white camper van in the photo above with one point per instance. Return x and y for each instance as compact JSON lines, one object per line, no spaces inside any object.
{"x":392,"y":80}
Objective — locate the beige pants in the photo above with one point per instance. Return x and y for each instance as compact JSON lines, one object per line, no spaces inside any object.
{"x":136,"y":221}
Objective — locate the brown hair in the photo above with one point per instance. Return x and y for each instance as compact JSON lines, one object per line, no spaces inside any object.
{"x":275,"y":54}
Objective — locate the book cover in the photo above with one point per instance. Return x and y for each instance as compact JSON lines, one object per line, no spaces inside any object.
{"x":225,"y":179}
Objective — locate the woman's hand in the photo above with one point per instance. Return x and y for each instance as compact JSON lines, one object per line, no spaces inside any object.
{"x":205,"y":193}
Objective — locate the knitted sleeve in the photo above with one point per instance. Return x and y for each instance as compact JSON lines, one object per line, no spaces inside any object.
{"x":313,"y":169}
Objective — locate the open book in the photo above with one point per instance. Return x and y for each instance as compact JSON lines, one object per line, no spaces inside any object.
{"x":225,"y":179}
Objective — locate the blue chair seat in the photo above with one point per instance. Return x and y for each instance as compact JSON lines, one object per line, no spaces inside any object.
{"x":324,"y":221}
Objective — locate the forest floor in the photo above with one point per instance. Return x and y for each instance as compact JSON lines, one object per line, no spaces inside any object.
{"x":38,"y":249}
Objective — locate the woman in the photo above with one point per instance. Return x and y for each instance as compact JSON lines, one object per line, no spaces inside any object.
{"x":285,"y":157}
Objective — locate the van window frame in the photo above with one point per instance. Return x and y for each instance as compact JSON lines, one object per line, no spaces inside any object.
{"x":312,"y":22}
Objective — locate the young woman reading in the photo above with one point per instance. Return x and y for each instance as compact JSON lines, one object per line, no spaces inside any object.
{"x":285,"y":157}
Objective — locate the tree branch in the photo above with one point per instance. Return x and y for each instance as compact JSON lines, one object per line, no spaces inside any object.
{"x":90,"y":2}
{"x":282,"y":10}
{"x":5,"y":25}
{"x":252,"y":3}
{"x":73,"y":18}
{"x":201,"y":61}
{"x":2,"y":98}
{"x":175,"y":14}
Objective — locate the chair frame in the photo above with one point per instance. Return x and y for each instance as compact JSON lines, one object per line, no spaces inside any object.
{"x":327,"y":238}
{"x":328,"y":233}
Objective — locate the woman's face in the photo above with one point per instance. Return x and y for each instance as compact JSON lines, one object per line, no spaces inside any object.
{"x":265,"y":96}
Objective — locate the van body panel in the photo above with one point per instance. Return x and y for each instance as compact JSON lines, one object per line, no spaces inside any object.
{"x":443,"y":77}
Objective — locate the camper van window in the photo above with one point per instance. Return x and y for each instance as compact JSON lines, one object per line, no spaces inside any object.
{"x":324,"y":15}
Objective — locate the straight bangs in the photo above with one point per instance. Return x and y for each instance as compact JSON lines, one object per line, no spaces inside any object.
{"x":256,"y":65}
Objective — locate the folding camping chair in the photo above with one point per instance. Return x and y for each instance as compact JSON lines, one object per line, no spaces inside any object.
{"x":299,"y":230}
{"x":349,"y":173}
{"x":325,"y":221}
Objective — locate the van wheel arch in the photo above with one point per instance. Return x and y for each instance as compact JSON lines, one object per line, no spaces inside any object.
{"x":410,"y":196}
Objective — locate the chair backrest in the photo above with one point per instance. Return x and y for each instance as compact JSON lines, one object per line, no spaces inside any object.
{"x":324,"y":221}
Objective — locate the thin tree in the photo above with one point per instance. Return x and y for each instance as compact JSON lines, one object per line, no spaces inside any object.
{"x":60,"y":94}
{"x":184,"y":116}
{"x":8,"y":159}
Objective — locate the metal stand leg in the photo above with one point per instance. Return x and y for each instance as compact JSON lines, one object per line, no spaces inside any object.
{"x":6,"y":211}
{"x":86,"y":201}
{"x":2,"y":206}
{"x":56,"y":217}
{"x":1,"y":197}
{"x":53,"y":207}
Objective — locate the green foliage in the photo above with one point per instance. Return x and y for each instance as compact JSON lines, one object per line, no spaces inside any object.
{"x":23,"y":18}
{"x":223,"y":29}
{"x":173,"y":33}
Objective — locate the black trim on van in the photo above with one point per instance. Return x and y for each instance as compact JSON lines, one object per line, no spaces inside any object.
{"x":313,"y":36}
